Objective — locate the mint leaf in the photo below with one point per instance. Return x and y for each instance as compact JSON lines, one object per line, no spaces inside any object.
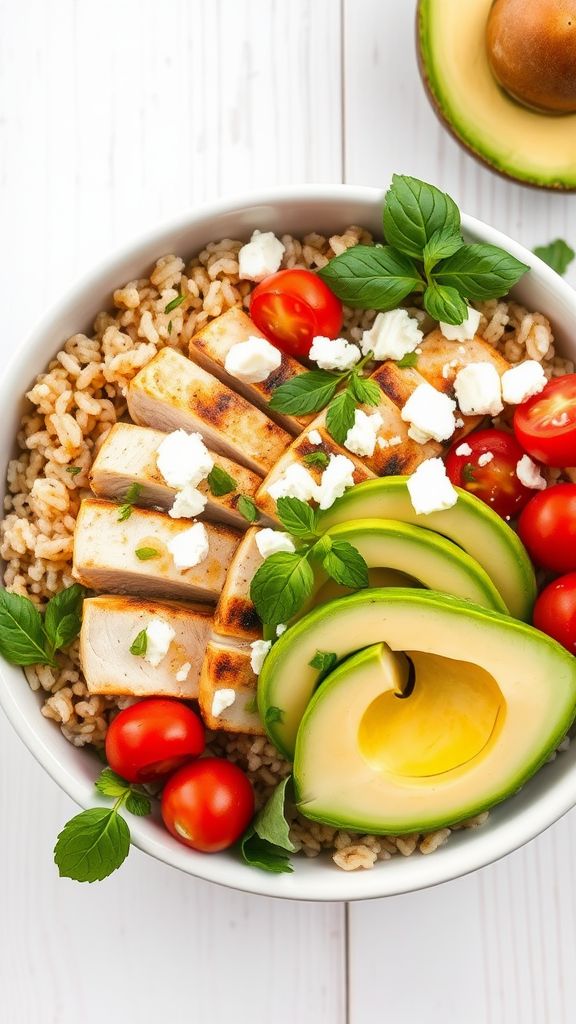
{"x":346,"y":565}
{"x":247,"y":508}
{"x":557,"y":254}
{"x":139,"y":645}
{"x":324,"y":661}
{"x":443,"y":243}
{"x":364,"y":390}
{"x":273,"y":714}
{"x":110,"y":784}
{"x":445,"y":304}
{"x":145,"y":554}
{"x":480,"y":271}
{"x":260,"y":854}
{"x":281,"y":586}
{"x":372,"y":277}
{"x":63,"y":617}
{"x":340,"y":416}
{"x":309,"y":392}
{"x":92,"y":845}
{"x":297,"y":517}
{"x":267,"y":842}
{"x":407,"y":361}
{"x":316,"y":459}
{"x":220,"y":482}
{"x":22,"y":640}
{"x":138,"y":803}
{"x":174,"y":303}
{"x":414,"y":212}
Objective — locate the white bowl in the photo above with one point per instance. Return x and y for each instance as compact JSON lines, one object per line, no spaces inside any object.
{"x":297,"y":210}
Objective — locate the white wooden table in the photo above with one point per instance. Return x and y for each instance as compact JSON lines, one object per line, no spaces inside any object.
{"x":113,"y":116}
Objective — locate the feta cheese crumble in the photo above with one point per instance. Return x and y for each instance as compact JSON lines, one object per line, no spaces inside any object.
{"x":189,"y":502}
{"x":478,"y":390}
{"x":222,"y":699}
{"x":459,"y":422}
{"x":430,"y":414}
{"x":392,"y":335}
{"x":183,"y":459}
{"x":159,"y":636}
{"x":190,"y":547}
{"x":295,"y":482}
{"x":529,"y":474}
{"x":338,"y":475}
{"x":389,"y":442}
{"x":334,"y":353}
{"x":485,"y":458}
{"x":361,"y":438}
{"x":270,"y":542}
{"x":522,"y":381}
{"x":463,"y":449}
{"x":315,"y":437}
{"x":430,"y":489}
{"x":253,"y":360}
{"x":464,"y":331}
{"x":281,"y":628}
{"x":259,"y":649}
{"x":261,"y":256}
{"x":183,"y":672}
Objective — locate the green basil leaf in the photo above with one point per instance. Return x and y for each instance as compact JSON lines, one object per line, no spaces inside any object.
{"x":139,"y":645}
{"x":445,"y":304}
{"x":220,"y":482}
{"x":145,"y":554}
{"x":414,"y":212}
{"x":270,"y":823}
{"x":309,"y":392}
{"x":340,"y":416}
{"x":92,"y":845}
{"x":346,"y":565}
{"x":319,"y":459}
{"x":138,"y":803}
{"x":63,"y":616}
{"x":408,"y":361}
{"x":364,"y":390}
{"x":22,"y":640}
{"x":297,"y":517}
{"x":281,"y":586}
{"x":110,"y":784}
{"x":557,"y":254}
{"x":443,"y":243}
{"x":259,"y":853}
{"x":247,"y":508}
{"x":372,"y":277}
{"x":273,"y":714}
{"x":324,"y":661}
{"x":480,"y":271}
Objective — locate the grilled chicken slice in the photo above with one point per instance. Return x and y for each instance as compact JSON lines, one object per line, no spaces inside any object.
{"x":171,"y":392}
{"x":109,"y":627}
{"x":128,"y":456}
{"x":441,"y":359}
{"x":235,"y":614}
{"x":227,"y":667}
{"x":210,"y":347}
{"x":105,"y":554}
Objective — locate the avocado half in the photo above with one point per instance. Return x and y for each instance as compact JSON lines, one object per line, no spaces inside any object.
{"x":526,"y":145}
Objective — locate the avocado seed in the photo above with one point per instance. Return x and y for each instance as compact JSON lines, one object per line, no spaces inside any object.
{"x":532,"y":52}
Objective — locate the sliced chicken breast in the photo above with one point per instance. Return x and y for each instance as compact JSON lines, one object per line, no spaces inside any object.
{"x":440,"y":359}
{"x":210,"y":347}
{"x":109,"y":627}
{"x":227,"y":679}
{"x":105,"y":554}
{"x":235,"y":615}
{"x":128,"y":455}
{"x":171,"y":392}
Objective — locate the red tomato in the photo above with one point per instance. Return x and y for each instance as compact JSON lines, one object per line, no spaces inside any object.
{"x":495,"y":483}
{"x":153,"y":738}
{"x":545,"y":425}
{"x":547,"y":528}
{"x":208,"y":804}
{"x":555,"y":611}
{"x":293,"y":307}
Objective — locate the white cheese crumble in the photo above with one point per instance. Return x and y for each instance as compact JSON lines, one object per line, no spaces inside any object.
{"x":183,"y":459}
{"x":261,"y":256}
{"x":281,"y":628}
{"x":478,"y":390}
{"x":389,"y":442}
{"x":430,"y":414}
{"x":189,"y":502}
{"x":459,"y":422}
{"x":392,"y":335}
{"x":315,"y":437}
{"x":222,"y":699}
{"x":334,"y":353}
{"x":183,"y":672}
{"x":338,"y":475}
{"x":529,"y":474}
{"x":462,"y":332}
{"x":252,"y":361}
{"x":463,"y":449}
{"x":361,"y":438}
{"x":190,"y":547}
{"x":270,"y":542}
{"x":448,"y":367}
{"x":295,"y":482}
{"x":485,"y":458}
{"x":430,"y":489}
{"x":259,"y":649}
{"x":159,"y":636}
{"x":523,"y":381}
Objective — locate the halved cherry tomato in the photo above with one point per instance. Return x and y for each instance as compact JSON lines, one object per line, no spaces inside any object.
{"x":496,"y":482}
{"x":293,"y":307}
{"x":208,"y":804}
{"x":555,"y":611}
{"x":153,"y":738}
{"x":545,"y":425}
{"x":547,"y":527}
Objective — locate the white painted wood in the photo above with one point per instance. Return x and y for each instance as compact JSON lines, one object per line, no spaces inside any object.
{"x":114,"y":116}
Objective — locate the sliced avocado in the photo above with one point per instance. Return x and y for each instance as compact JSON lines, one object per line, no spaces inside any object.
{"x":521,"y":143}
{"x":469,"y":523}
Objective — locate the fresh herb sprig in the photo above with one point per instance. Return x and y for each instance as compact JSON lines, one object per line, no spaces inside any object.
{"x":267,"y":844}
{"x":285,"y":581}
{"x":220,"y":482}
{"x":29,"y":638}
{"x":96,"y":842}
{"x":557,"y":254}
{"x":126,"y":509}
{"x":425,"y":254}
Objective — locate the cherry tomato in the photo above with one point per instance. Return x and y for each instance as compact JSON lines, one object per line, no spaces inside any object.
{"x":547,"y":527}
{"x":555,"y":611}
{"x":153,"y":738}
{"x":495,"y":482}
{"x":545,"y":425}
{"x":208,"y":804}
{"x":293,"y":307}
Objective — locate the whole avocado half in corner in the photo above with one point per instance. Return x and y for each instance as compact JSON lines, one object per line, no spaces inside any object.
{"x":527,"y":145}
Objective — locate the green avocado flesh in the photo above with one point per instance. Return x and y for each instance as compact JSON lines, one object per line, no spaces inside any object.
{"x":469,"y":523}
{"x":525,"y":144}
{"x":491,"y":698}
